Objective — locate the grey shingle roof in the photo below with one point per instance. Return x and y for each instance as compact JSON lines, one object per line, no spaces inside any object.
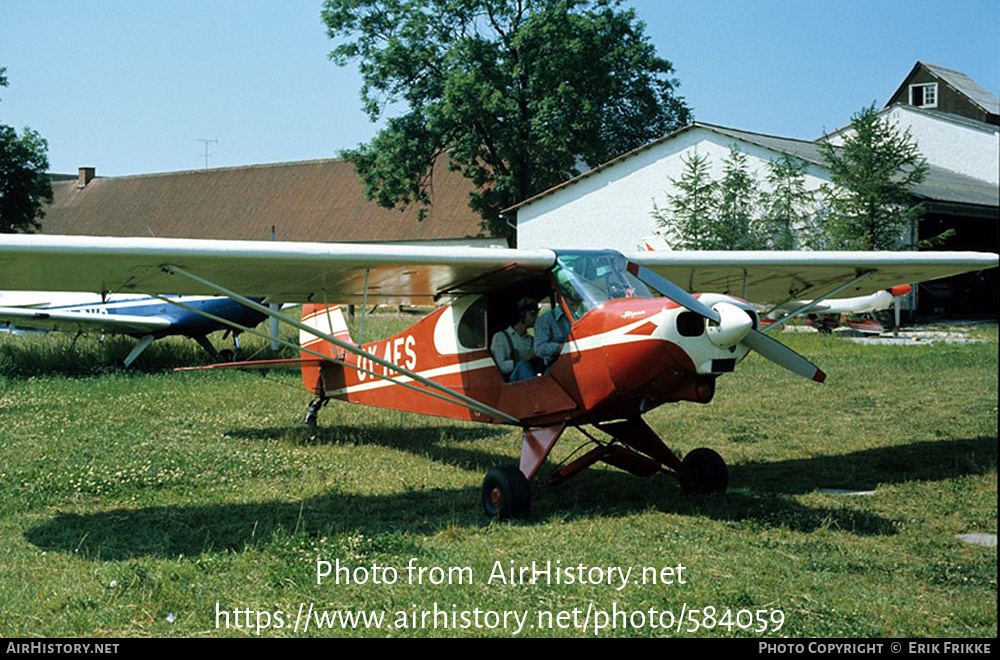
{"x":810,"y":152}
{"x":946,"y":186}
{"x":967,"y":86}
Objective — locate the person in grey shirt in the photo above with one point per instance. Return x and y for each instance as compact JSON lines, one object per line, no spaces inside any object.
{"x":512,"y":348}
{"x":553,"y":327}
{"x":551,"y":332}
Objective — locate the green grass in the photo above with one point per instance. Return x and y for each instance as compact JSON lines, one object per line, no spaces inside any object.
{"x":134,"y":503}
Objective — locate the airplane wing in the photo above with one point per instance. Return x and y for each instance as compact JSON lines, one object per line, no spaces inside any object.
{"x":81,"y":322}
{"x":318,"y":272}
{"x":776,"y":277}
{"x":280,"y":271}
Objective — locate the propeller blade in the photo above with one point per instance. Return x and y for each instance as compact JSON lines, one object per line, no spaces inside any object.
{"x":783,"y":356}
{"x":755,"y":340}
{"x":672,"y":291}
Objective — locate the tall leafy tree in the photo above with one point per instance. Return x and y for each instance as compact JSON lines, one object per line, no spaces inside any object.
{"x":24,"y":183}
{"x":516,"y":92}
{"x":870,"y":203}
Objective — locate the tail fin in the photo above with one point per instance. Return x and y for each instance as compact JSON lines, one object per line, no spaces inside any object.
{"x":326,"y":319}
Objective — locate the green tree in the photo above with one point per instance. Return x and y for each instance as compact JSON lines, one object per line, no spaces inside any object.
{"x":705,"y":214}
{"x":788,"y":208}
{"x":689,"y":214}
{"x":870,"y":203}
{"x":515,"y":92}
{"x":735,"y":224}
{"x":24,"y":183}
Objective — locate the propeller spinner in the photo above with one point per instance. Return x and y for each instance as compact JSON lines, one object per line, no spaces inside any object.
{"x":730,"y":325}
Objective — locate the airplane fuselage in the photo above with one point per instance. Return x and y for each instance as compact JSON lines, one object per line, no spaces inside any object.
{"x":179,"y":321}
{"x":622,"y":358}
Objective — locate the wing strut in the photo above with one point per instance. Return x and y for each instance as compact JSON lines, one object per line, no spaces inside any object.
{"x":457,"y":397}
{"x":364,"y":309}
{"x":813,"y":303}
{"x":139,"y":348}
{"x":284,"y":342}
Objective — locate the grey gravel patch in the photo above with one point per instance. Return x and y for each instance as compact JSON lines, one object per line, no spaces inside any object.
{"x":989,"y":540}
{"x":911,"y":340}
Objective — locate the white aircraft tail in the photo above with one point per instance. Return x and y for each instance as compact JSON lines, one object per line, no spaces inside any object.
{"x":654,"y":243}
{"x":326,"y":319}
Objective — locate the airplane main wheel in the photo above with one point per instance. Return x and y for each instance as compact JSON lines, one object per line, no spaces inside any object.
{"x":708,"y":472}
{"x":506,"y":493}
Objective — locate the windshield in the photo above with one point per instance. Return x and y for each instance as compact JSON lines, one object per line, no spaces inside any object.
{"x":587,"y":278}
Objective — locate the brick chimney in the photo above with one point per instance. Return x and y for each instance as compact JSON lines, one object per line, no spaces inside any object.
{"x":85,"y":176}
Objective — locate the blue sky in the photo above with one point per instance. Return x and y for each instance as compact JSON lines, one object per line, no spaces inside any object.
{"x":133,"y":87}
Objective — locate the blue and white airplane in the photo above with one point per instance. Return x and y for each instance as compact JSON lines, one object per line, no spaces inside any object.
{"x":143,"y":317}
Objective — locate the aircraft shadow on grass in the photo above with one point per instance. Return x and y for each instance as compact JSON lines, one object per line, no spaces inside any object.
{"x":421,"y":441}
{"x":760,"y":493}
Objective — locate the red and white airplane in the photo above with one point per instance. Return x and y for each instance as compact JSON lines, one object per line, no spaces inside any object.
{"x":637,"y":341}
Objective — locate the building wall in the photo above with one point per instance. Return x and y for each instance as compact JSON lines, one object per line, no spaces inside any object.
{"x":968,"y":148}
{"x":960,"y":147}
{"x":948,"y":99}
{"x":613,"y":208}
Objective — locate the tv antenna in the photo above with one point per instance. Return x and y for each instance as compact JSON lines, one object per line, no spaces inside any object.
{"x":206,"y":143}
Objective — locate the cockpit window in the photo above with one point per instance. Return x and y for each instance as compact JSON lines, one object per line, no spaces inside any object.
{"x":472,"y":326}
{"x":587,"y":278}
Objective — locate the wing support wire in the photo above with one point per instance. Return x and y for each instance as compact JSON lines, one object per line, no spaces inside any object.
{"x":450,"y":395}
{"x":284,"y":342}
{"x":812,"y":303}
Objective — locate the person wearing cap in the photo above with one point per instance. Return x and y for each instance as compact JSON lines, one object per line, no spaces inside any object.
{"x":512,"y":348}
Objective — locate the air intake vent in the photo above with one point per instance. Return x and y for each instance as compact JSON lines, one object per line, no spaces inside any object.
{"x":725,"y":366}
{"x":690,"y":324}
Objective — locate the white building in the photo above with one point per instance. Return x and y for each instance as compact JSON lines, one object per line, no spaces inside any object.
{"x":612,"y":205}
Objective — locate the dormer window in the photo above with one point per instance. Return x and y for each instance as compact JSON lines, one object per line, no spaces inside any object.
{"x":924,"y":95}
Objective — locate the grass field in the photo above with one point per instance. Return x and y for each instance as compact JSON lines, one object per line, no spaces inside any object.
{"x":154,"y":503}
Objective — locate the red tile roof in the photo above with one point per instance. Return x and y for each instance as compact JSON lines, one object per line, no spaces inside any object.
{"x":318,"y":200}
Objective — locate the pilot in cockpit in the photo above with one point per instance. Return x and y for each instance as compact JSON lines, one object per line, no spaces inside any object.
{"x":513,"y":348}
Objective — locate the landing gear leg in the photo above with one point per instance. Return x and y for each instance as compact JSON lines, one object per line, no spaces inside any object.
{"x":207,"y":345}
{"x":231,"y":355}
{"x":702,"y":471}
{"x":313,"y":413}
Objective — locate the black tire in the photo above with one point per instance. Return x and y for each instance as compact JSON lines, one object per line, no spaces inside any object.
{"x":506,"y":493}
{"x":708,"y":473}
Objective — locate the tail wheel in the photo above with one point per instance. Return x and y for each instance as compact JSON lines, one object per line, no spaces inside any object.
{"x":506,"y":493}
{"x":708,"y":473}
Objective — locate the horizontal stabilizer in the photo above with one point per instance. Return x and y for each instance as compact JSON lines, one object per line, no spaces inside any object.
{"x":47,"y":319}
